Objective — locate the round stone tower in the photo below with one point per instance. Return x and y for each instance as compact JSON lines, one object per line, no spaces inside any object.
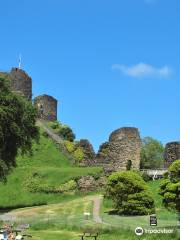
{"x":47,"y":107}
{"x":171,"y":153}
{"x":21,"y":82}
{"x":124,"y":149}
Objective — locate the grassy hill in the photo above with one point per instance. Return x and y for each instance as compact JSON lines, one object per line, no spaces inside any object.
{"x":47,"y":167}
{"x":62,"y":216}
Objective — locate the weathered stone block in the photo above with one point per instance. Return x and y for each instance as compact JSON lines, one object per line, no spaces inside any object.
{"x":47,"y":107}
{"x":21,"y":83}
{"x":171,"y":153}
{"x":124,"y":149}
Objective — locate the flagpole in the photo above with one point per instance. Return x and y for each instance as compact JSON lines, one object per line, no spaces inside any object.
{"x":20,"y":61}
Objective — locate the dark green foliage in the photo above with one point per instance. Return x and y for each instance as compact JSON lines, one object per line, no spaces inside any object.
{"x":146,"y":177}
{"x":170,"y":187}
{"x":130,"y":194}
{"x":151,"y":154}
{"x":66,"y":133}
{"x":62,"y":130}
{"x":17,"y":127}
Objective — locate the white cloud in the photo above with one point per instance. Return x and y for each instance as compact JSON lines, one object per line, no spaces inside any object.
{"x":143,"y":70}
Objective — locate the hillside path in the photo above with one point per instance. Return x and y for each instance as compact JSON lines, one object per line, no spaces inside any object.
{"x":96,"y":209}
{"x":50,"y":133}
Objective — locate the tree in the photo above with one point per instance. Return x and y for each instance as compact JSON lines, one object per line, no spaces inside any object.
{"x":129,"y":193}
{"x":17,"y":127}
{"x":170,"y":187}
{"x":151,"y":154}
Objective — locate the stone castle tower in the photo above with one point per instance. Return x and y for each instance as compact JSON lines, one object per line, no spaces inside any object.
{"x":124,"y":149}
{"x":20,"y":82}
{"x":47,"y":107}
{"x":171,"y":153}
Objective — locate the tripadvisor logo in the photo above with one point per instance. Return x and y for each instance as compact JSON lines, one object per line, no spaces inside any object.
{"x":139,"y":231}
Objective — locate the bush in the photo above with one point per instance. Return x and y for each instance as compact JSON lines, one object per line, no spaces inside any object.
{"x":70,"y":146}
{"x":130,"y":194}
{"x":35,"y":184}
{"x":170,"y":187}
{"x":78,"y":155}
{"x":62,"y":130}
{"x":55,"y":125}
{"x":66,"y":133}
{"x":146,"y":177}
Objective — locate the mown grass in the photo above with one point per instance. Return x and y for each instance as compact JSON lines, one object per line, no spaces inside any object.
{"x":66,"y":221}
{"x":51,"y":164}
{"x":109,"y":235}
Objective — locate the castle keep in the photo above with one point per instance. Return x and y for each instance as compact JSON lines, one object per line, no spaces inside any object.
{"x":171,"y":153}
{"x":21,"y":83}
{"x":124,"y":148}
{"x":47,"y":107}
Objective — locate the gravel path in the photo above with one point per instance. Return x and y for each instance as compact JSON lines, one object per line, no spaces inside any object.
{"x":52,"y":135}
{"x":96,"y":209}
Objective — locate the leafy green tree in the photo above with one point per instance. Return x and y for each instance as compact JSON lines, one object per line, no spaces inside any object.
{"x":151,"y":154}
{"x":129,"y":193}
{"x":170,"y":187}
{"x":17,"y":127}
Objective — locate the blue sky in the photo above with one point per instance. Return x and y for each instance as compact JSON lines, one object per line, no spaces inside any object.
{"x":110,"y":63}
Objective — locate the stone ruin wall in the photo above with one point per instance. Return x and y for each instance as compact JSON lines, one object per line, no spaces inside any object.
{"x":102,"y":155}
{"x":89,"y":154}
{"x":47,"y":107}
{"x":124,"y":146}
{"x":21,"y":83}
{"x":171,"y":153}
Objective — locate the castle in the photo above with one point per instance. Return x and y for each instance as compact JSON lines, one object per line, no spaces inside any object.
{"x":121,"y":152}
{"x":21,"y":82}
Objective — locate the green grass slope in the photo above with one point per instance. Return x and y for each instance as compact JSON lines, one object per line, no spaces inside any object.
{"x":54,"y":169}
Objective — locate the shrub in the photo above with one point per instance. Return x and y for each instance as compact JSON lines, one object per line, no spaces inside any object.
{"x":70,"y":146}
{"x":35,"y":184}
{"x":170,"y":187}
{"x":55,"y":125}
{"x":146,"y":177}
{"x":79,"y":155}
{"x":66,"y":133}
{"x":129,"y":193}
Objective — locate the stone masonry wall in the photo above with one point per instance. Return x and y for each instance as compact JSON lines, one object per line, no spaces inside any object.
{"x":124,"y":147}
{"x":47,"y":107}
{"x":171,"y":153}
{"x":21,"y":82}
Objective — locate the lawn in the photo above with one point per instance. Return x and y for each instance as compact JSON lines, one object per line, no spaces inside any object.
{"x":54,"y":169}
{"x":66,"y":221}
